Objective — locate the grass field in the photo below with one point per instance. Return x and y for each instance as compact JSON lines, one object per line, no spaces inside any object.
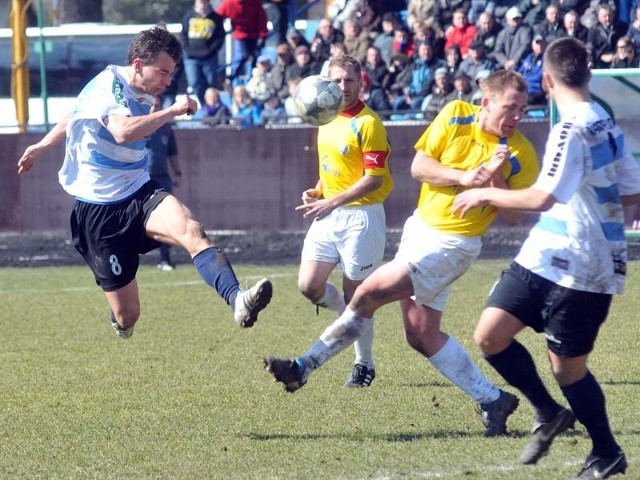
{"x":187,"y":398}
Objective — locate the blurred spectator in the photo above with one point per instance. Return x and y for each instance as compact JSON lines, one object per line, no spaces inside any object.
{"x":477,"y":60}
{"x":214,"y":112}
{"x":625,"y":56}
{"x":420,"y":80}
{"x":273,"y":111}
{"x":551,"y":27}
{"x":452,"y":59}
{"x":248,"y":31}
{"x":374,"y":96}
{"x":258,"y":86}
{"x":202,"y":38}
{"x":603,"y":37}
{"x":589,"y":16}
{"x":578,"y":6}
{"x":277,"y":12}
{"x":402,"y":42}
{"x":513,"y":42}
{"x":531,"y":70}
{"x":476,"y":8}
{"x":479,"y":80}
{"x":303,"y":66}
{"x":437,"y":98}
{"x":461,"y":33}
{"x":278,"y":75}
{"x":444,"y":12}
{"x":368,"y":14}
{"x":337,"y":49}
{"x":488,"y":30}
{"x":244,"y":112}
{"x":289,"y":109}
{"x":573,"y":27}
{"x":374,"y":67}
{"x":462,"y":88}
{"x":634,"y":28}
{"x":295,"y":38}
{"x":356,"y":40}
{"x":322,"y":40}
{"x":384,"y":40}
{"x":399,"y":72}
{"x":422,"y":11}
{"x":532,"y":11}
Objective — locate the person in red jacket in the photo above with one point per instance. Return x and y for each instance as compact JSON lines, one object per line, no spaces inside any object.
{"x":248,"y":30}
{"x":461,"y":33}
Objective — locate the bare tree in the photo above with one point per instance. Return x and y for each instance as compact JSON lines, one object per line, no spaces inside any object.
{"x":70,"y":11}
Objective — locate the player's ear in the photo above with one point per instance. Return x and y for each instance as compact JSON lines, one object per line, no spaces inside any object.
{"x":137,"y":65}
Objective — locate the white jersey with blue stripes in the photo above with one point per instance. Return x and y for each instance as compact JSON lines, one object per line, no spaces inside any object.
{"x":580,"y":242}
{"x":96,"y":168}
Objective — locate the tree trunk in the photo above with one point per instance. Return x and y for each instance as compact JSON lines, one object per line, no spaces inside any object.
{"x":73,"y":11}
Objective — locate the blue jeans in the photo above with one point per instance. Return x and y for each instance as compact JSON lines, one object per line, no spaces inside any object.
{"x":245,"y":53}
{"x":201,"y":74}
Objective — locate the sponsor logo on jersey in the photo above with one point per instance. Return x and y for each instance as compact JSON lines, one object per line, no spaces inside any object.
{"x":555,"y":163}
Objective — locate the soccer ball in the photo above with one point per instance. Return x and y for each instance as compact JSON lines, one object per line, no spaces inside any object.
{"x":317,"y":100}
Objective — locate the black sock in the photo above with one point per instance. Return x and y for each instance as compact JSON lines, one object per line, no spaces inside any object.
{"x":215,"y":270}
{"x":517,"y":368}
{"x":588,"y":404}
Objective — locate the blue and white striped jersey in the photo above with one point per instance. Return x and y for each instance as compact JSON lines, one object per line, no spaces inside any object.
{"x":580,"y":242}
{"x":96,"y":168}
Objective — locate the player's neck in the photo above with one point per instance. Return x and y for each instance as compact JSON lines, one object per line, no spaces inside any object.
{"x":566,"y":97}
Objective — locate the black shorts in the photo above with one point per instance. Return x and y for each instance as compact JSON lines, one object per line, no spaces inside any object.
{"x":111,"y":237}
{"x":570,"y":319}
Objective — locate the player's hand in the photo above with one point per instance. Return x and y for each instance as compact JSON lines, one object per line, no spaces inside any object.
{"x":481,"y":175}
{"x":184,"y":105}
{"x":28,"y":159}
{"x":311,"y":195}
{"x":465,"y":201}
{"x":317,"y":209}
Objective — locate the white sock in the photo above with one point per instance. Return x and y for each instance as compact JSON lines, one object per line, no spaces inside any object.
{"x":332,"y":299}
{"x":454,"y":362}
{"x":336,"y":337}
{"x":237,"y":301}
{"x":364,"y":346}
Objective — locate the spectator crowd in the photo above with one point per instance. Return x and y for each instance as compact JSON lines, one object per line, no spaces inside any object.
{"x":415,"y":59}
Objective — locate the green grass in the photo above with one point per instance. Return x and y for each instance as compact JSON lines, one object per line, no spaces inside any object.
{"x":187,"y":398}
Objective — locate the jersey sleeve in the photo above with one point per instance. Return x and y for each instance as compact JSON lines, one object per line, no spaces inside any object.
{"x":628,"y":172}
{"x":434,"y":139}
{"x":375,"y":146}
{"x":523,"y":168}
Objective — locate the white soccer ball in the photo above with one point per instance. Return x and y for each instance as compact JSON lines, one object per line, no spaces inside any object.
{"x":317,"y":100}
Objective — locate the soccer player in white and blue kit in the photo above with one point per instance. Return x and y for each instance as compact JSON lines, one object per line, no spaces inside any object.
{"x":570,"y":266}
{"x":119,"y":212}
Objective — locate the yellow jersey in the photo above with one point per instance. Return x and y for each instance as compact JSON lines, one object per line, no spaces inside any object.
{"x":456,"y":141}
{"x":354,"y":144}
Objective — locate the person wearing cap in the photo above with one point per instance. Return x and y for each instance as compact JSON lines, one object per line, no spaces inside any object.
{"x":202,"y":37}
{"x":462,"y":88}
{"x":437,"y":99}
{"x":513,"y":42}
{"x":531,"y":70}
{"x":479,"y":81}
{"x":477,"y":60}
{"x":303,"y":65}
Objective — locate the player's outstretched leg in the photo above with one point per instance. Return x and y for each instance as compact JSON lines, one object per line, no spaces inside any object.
{"x":252,"y":302}
{"x":291,"y":373}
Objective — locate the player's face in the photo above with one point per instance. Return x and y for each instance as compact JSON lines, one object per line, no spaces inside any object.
{"x":153,"y":78}
{"x":349,"y":83}
{"x":504,"y":112}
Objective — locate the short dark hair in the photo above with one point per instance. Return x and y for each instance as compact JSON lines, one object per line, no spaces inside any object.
{"x":150,"y":43}
{"x":567,"y":60}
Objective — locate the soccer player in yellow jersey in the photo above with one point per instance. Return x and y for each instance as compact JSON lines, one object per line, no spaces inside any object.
{"x":347,"y":206}
{"x":465,"y":146}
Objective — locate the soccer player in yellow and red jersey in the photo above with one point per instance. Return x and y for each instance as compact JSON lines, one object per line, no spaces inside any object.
{"x":466,"y":146}
{"x":347,"y":207}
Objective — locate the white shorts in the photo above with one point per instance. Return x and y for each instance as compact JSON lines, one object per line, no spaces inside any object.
{"x":355,"y":237}
{"x":434,"y":259}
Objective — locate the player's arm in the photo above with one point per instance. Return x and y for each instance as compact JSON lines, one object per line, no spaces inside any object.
{"x":528,"y":199}
{"x":511,"y":217}
{"x":33,"y":152}
{"x":313,"y":194}
{"x":429,"y":170}
{"x":126,"y":129}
